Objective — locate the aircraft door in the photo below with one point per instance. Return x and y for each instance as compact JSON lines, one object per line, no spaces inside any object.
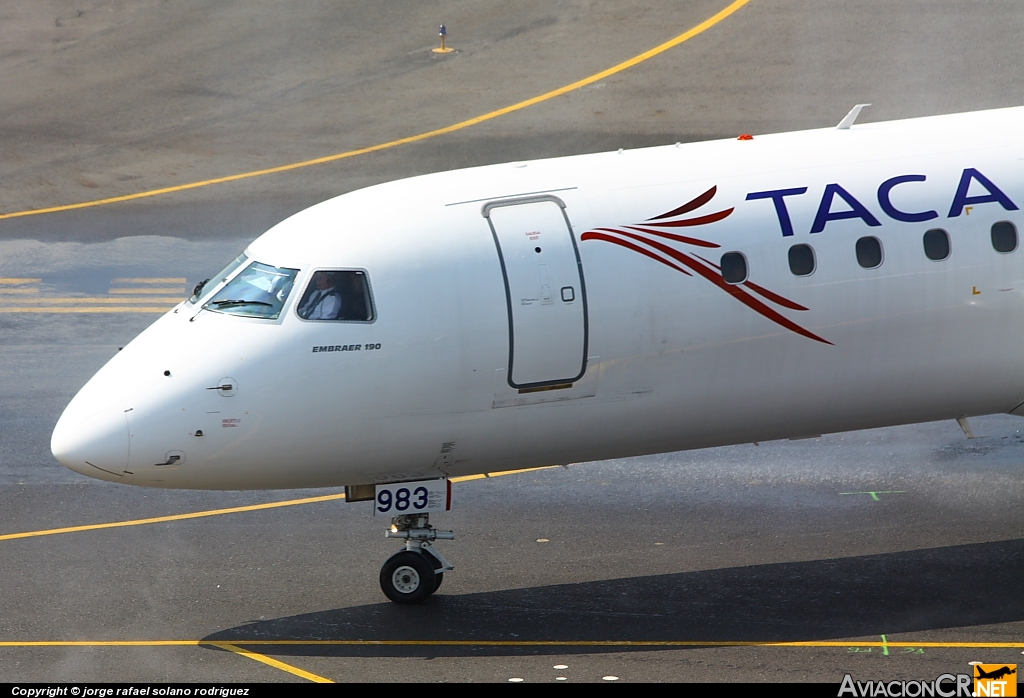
{"x":544,"y":290}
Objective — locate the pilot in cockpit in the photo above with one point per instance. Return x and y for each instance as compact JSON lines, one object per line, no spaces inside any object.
{"x":325,"y":302}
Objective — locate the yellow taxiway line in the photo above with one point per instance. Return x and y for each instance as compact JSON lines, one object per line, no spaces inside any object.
{"x":172,"y":517}
{"x":29,"y":309}
{"x":819,"y":644}
{"x":90,"y":300}
{"x":235,"y":646}
{"x":127,"y":291}
{"x":121,"y":300}
{"x":149,"y":280}
{"x":315,"y":678}
{"x":229,"y":510}
{"x":646,"y":55}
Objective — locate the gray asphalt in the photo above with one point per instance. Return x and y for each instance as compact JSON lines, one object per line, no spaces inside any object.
{"x":753,"y":543}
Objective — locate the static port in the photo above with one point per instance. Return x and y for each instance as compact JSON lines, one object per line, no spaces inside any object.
{"x":167,"y":373}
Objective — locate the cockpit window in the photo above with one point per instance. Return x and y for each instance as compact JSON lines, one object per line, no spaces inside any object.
{"x":337,"y":295}
{"x":203,"y":289}
{"x":259,"y":291}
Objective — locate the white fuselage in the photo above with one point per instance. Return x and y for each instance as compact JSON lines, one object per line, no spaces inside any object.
{"x":487,"y":362}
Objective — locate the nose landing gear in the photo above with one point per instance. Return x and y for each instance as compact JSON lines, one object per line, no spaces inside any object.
{"x":411,"y":575}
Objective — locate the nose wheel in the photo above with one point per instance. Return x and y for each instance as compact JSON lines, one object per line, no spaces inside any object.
{"x":408,"y":577}
{"x":411,"y":575}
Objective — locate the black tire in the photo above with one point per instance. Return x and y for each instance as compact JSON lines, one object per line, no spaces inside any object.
{"x":408,"y":577}
{"x":438,"y":578}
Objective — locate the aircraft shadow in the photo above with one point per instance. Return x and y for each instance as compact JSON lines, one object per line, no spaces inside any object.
{"x":919,"y":590}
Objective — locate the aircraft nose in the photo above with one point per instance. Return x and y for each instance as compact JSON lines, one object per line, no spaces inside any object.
{"x":96,"y":445}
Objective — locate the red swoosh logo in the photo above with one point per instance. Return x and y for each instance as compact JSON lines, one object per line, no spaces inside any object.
{"x":705,"y":268}
{"x":691,"y":205}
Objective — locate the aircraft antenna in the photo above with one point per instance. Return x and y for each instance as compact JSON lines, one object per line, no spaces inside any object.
{"x":848,"y":120}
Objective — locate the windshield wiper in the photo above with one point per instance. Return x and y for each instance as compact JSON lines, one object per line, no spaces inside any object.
{"x":225,"y":304}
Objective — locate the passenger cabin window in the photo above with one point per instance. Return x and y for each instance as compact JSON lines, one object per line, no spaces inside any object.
{"x":734,"y":267}
{"x":338,"y":296}
{"x":801,"y":260}
{"x":1004,"y":236}
{"x":936,"y":245}
{"x":259,"y":291}
{"x":869,"y":252}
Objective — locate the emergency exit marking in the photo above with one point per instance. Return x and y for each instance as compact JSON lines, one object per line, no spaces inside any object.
{"x":874,"y":495}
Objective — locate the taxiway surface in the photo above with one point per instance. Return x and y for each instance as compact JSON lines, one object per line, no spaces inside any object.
{"x":757,"y":544}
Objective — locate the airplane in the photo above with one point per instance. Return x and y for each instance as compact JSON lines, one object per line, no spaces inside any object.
{"x":995,"y":674}
{"x":583,"y":308}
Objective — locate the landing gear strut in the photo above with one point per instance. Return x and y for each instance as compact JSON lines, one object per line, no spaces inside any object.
{"x":411,"y":575}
